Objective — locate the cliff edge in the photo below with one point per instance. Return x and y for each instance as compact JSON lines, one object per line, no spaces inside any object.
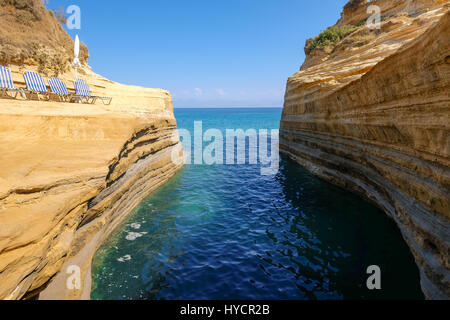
{"x":71,"y":173}
{"x":370,"y":111}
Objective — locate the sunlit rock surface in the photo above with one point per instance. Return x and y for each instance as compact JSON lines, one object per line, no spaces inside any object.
{"x":70,"y":173}
{"x":372,"y":113}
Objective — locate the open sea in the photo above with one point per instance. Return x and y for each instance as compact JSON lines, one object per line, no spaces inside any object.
{"x":227,"y":232}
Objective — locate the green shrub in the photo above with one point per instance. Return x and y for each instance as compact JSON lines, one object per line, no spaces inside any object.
{"x":331,"y":36}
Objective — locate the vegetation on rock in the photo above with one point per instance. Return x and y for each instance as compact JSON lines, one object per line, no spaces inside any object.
{"x":332,"y":35}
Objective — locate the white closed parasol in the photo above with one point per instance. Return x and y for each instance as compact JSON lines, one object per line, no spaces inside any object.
{"x":76,"y":51}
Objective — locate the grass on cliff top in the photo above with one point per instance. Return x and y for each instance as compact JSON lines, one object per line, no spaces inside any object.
{"x":332,"y":35}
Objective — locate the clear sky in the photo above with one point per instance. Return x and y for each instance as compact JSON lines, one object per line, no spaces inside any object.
{"x":207,"y":53}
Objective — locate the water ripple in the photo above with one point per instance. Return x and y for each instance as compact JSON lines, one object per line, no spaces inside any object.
{"x":226,"y":232}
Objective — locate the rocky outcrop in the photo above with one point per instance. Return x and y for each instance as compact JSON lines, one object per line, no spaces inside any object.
{"x":374,"y":118}
{"x":71,"y":173}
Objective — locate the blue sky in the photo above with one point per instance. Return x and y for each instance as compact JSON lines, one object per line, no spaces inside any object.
{"x":207,"y":53}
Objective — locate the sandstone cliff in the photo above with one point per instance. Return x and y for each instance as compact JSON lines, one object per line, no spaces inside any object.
{"x":70,"y":173}
{"x":371,"y":113}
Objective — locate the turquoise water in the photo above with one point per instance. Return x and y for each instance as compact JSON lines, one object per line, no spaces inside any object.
{"x":227,"y":232}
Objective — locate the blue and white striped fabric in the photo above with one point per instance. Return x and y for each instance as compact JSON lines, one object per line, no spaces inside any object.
{"x":5,"y":78}
{"x":81,"y":88}
{"x":58,"y":86}
{"x":34,"y":82}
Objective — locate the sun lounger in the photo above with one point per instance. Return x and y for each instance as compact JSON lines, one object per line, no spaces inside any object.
{"x":58,"y":87}
{"x":82,"y":90}
{"x":36,"y":85}
{"x":7,"y":86}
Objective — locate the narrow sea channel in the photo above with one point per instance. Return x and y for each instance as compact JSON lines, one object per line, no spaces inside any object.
{"x":228,"y":232}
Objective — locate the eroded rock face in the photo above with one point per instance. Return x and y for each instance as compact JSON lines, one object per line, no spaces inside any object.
{"x":70,"y":174}
{"x":375,"y":118}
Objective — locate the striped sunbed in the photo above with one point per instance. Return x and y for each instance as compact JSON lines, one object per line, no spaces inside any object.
{"x":36,"y":85}
{"x":82,"y":90}
{"x":7,"y":84}
{"x":59,"y":88}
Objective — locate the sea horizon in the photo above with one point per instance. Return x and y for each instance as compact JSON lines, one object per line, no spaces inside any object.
{"x":229,"y":107}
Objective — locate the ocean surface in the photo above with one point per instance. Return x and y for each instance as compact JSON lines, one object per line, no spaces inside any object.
{"x":228,"y":232}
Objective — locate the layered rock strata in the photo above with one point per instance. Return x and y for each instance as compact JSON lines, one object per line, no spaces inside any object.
{"x":374,"y":119}
{"x":69,"y":174}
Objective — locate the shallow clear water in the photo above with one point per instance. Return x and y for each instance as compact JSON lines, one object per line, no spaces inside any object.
{"x":226,"y":232}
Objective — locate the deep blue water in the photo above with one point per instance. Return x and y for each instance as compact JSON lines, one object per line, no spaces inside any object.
{"x":227,"y":232}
